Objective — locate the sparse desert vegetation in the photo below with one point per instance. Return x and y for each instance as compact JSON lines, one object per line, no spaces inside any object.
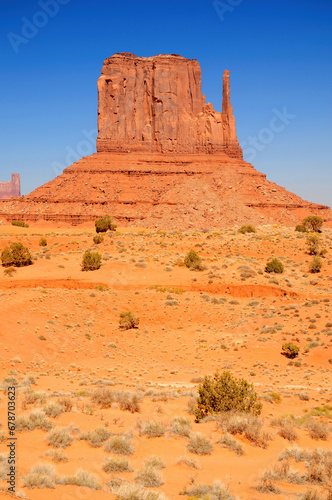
{"x":198,"y":392}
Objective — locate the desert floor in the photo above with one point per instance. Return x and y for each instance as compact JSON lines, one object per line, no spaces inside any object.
{"x":60,"y":342}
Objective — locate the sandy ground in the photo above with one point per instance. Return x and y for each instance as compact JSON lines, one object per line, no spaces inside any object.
{"x":60,"y":334}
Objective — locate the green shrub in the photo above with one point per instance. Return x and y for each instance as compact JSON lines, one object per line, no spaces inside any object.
{"x":315,"y":265}
{"x":19,"y":223}
{"x":274,"y":266}
{"x":222,"y":393}
{"x":313,"y":244}
{"x":43,"y":242}
{"x":98,"y":238}
{"x":300,"y":228}
{"x":313,"y":223}
{"x":16,"y":255}
{"x":247,"y":229}
{"x":91,"y":261}
{"x":127,"y":321}
{"x":104,"y":224}
{"x":290,"y":350}
{"x":193,"y":261}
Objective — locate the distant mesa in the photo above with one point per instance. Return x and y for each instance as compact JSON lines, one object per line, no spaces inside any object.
{"x":165,"y":159}
{"x":10,"y":189}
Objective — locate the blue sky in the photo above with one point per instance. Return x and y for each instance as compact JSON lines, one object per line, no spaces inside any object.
{"x":278,"y":53}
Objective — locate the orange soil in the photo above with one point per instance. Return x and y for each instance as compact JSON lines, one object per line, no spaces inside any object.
{"x":176,"y":343}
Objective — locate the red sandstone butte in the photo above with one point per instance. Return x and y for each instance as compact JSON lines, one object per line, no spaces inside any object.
{"x":155,"y":104}
{"x":165,"y":159}
{"x":10,"y":189}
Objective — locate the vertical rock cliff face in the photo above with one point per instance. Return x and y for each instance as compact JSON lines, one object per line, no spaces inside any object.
{"x":10,"y":189}
{"x":156,"y":104}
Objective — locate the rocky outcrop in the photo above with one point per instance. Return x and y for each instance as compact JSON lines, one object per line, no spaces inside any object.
{"x":155,"y":104}
{"x":164,"y":191}
{"x":154,"y":166}
{"x":10,"y":189}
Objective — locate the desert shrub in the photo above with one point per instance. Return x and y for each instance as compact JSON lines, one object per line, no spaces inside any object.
{"x":199,"y":444}
{"x":103,"y":397}
{"x":127,"y":320}
{"x":35,"y":420}
{"x":128,"y":401}
{"x":81,"y":478}
{"x":16,"y":255}
{"x":205,"y":492}
{"x":32,"y":397}
{"x":153,"y":429}
{"x":43,"y":242}
{"x":181,"y":426}
{"x":40,"y":476}
{"x":4,"y":466}
{"x":317,"y":429}
{"x":311,"y":495}
{"x":313,"y":244}
{"x":266,"y":485}
{"x":121,"y":445}
{"x":116,"y":465}
{"x":274,"y":266}
{"x":227,"y":441}
{"x":244,"y":423}
{"x":290,"y":350}
{"x":66,"y":404}
{"x":91,"y":261}
{"x":9,"y":271}
{"x":59,"y":438}
{"x":19,"y":223}
{"x":315,"y":265}
{"x":58,"y":456}
{"x":193,"y":261}
{"x":149,"y":477}
{"x":97,"y":437}
{"x":222,"y":393}
{"x":313,"y":223}
{"x":3,"y":436}
{"x":247,"y":229}
{"x":104,"y":224}
{"x":300,"y":228}
{"x":53,"y":409}
{"x":129,"y":491}
{"x":288,"y":432}
{"x":98,"y":238}
{"x":156,"y":462}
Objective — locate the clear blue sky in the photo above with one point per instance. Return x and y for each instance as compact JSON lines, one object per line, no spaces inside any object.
{"x":278,"y":53}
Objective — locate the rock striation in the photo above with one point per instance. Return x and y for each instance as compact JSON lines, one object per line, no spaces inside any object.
{"x":155,"y":104}
{"x":10,"y":189}
{"x":165,"y":159}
